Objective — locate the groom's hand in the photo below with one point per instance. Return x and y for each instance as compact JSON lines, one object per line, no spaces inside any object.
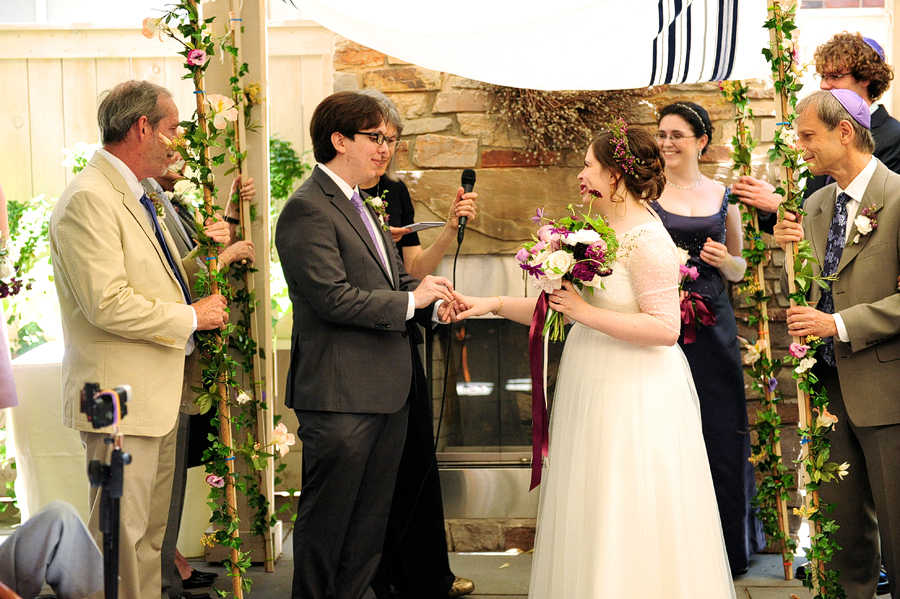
{"x":432,"y":289}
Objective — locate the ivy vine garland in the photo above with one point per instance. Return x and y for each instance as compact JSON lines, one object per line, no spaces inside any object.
{"x":762,"y":368}
{"x":815,"y":446}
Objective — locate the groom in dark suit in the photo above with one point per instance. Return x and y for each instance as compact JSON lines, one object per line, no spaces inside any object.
{"x":351,"y":354}
{"x":859,"y":319}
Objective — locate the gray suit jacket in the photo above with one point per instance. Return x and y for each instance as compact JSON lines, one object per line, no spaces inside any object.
{"x":350,"y":348}
{"x":865,"y":295}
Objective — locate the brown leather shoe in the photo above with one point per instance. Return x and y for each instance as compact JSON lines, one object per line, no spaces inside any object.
{"x":460,"y":587}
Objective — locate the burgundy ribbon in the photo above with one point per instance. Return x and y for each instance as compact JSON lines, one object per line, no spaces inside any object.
{"x":693,"y":309}
{"x":540,"y":437}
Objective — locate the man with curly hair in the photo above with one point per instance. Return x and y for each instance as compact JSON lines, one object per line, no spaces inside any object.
{"x":846,"y":61}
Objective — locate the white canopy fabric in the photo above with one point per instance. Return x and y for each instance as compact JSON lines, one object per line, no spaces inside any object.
{"x":560,"y":44}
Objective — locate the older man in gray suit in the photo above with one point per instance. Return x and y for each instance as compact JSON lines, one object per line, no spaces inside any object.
{"x":351,"y":352}
{"x":859,"y":318}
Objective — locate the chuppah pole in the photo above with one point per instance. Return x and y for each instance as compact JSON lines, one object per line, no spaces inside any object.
{"x":224,"y":408}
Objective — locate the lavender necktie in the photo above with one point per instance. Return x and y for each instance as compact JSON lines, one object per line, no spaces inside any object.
{"x":834,"y":249}
{"x":360,"y":207}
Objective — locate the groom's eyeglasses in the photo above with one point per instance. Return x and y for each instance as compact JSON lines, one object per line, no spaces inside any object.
{"x":380,"y":138}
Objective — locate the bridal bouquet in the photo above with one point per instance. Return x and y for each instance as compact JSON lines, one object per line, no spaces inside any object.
{"x":577,"y":249}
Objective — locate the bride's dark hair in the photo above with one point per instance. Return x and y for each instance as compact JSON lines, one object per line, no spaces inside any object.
{"x":649,"y":167}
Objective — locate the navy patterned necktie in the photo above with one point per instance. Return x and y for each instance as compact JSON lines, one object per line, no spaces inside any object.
{"x":834,"y":249}
{"x":151,"y":210}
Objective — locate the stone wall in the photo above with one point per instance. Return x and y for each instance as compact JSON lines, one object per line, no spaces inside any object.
{"x":448,"y":127}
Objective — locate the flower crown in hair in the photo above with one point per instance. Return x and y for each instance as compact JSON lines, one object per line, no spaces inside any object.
{"x":622,"y":153}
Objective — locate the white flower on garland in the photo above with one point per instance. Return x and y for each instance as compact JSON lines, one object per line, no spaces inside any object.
{"x":804,"y":365}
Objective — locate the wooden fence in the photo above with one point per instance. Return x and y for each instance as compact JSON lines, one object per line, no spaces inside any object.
{"x":52,"y":77}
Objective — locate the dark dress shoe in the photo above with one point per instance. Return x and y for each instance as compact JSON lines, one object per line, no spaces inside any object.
{"x":196,"y":581}
{"x":202,"y":574}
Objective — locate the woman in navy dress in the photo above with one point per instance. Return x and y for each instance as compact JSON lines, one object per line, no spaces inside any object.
{"x":697,"y":214}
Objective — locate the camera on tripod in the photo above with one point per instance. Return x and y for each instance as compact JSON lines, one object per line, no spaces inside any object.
{"x":100,"y":406}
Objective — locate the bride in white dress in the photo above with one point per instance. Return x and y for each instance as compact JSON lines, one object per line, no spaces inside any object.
{"x":627,"y":506}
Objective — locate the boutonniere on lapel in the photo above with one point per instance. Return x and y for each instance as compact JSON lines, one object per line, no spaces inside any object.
{"x":865,"y":223}
{"x":379,"y":205}
{"x":157,"y":204}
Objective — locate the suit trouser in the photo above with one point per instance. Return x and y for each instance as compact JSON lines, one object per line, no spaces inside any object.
{"x":415,"y":559}
{"x":171,"y":576}
{"x":54,"y":546}
{"x":144,"y":508}
{"x":349,"y":470}
{"x":867,"y":500}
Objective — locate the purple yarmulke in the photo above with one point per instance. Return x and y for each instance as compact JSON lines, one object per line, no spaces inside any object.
{"x":855,"y":105}
{"x":875,"y":46}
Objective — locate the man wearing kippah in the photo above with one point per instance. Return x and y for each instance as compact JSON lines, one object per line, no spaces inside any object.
{"x":853,"y":228}
{"x":846,"y":61}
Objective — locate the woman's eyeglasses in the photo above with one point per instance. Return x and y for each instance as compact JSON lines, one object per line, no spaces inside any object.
{"x":675,"y":136}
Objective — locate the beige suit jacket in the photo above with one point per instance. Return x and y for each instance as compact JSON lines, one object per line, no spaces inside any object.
{"x":866,"y":297}
{"x":124,"y":318}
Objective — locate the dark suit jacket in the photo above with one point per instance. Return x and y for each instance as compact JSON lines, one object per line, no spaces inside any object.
{"x":865,"y":295}
{"x":350,"y":350}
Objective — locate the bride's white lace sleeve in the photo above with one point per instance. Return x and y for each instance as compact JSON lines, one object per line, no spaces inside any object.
{"x":653,"y":265}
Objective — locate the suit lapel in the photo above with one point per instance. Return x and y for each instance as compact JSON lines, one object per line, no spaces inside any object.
{"x":137,"y":211}
{"x":340,"y":201}
{"x":874,"y":195}
{"x":819,"y":219}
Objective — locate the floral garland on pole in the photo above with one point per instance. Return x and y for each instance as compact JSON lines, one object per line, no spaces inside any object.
{"x":815,"y":446}
{"x":244,"y":336}
{"x":213,"y":113}
{"x":766,"y":456}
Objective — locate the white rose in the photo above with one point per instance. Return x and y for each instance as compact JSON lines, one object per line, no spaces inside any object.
{"x":863,"y":224}
{"x":804,"y":365}
{"x":375,"y":201}
{"x":558,"y":264}
{"x":585,"y":236}
{"x":683,"y":255}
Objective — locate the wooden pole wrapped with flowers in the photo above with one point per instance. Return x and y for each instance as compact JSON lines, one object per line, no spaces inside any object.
{"x":208,"y":209}
{"x":246,"y":335}
{"x":766,"y":455}
{"x":814,"y":443}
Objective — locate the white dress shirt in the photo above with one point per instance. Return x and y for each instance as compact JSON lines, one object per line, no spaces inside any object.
{"x":856,"y":189}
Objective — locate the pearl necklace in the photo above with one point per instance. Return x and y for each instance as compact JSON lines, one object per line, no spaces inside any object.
{"x":685,"y":186}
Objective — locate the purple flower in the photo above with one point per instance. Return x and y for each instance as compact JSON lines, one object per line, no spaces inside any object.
{"x":538,"y":216}
{"x":688,"y":271}
{"x":773,"y":382}
{"x":196,"y":58}
{"x":584,"y":271}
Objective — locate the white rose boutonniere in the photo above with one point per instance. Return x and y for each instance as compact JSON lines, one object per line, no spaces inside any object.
{"x":865,"y":223}
{"x":379,"y":205}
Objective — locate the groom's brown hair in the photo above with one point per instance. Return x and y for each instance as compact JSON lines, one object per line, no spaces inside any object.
{"x":346,"y":113}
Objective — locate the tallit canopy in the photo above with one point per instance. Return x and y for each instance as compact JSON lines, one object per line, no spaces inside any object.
{"x":561,"y":44}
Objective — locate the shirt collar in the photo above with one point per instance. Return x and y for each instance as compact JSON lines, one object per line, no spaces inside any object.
{"x":874,"y":107}
{"x":343,"y":185}
{"x":857,"y":188}
{"x":130,"y":178}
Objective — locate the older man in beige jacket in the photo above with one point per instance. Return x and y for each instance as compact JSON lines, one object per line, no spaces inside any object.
{"x":127,"y":314}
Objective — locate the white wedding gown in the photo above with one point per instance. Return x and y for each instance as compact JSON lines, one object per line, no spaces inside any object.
{"x":627,"y":507}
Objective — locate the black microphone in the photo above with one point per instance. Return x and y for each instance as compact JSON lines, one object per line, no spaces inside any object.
{"x":468,"y":183}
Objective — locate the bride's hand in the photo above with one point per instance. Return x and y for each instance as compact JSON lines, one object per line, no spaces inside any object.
{"x":467,"y":306}
{"x":568,"y":301}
